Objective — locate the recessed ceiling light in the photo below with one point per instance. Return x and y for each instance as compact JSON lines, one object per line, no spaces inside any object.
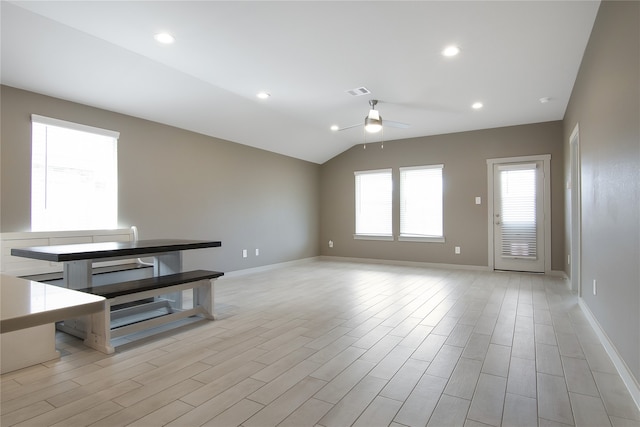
{"x":477,"y":105}
{"x":263,"y":95}
{"x":545,"y":100}
{"x":450,"y":51}
{"x":334,"y":127}
{"x":164,"y":38}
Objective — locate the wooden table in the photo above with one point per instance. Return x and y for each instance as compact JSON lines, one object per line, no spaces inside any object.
{"x":28,"y":311}
{"x":78,"y":258}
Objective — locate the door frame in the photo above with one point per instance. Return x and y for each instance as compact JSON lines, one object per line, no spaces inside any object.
{"x":546,"y":223}
{"x":575,"y":215}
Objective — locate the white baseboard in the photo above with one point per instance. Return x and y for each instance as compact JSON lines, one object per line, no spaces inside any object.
{"x":623,"y":370}
{"x":268,"y":267}
{"x":405,"y":263}
{"x":558,"y":273}
{"x":554,"y":273}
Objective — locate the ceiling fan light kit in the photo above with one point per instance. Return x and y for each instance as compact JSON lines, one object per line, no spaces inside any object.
{"x":373,"y":121}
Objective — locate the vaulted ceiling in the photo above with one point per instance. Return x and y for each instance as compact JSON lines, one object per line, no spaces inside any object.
{"x":306,"y":55}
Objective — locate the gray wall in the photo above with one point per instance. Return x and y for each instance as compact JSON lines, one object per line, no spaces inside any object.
{"x":464,"y":156}
{"x":174,"y":183}
{"x":606,"y":104}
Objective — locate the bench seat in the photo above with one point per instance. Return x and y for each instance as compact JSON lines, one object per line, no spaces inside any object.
{"x":148,"y":295}
{"x":151,"y":283}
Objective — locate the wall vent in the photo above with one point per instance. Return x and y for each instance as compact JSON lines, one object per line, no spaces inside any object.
{"x":359,"y":91}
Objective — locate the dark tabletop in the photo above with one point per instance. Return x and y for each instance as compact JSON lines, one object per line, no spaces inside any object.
{"x":86,"y":251}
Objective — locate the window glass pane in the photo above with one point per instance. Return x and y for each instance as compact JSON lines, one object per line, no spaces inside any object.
{"x":421,"y":201}
{"x":518,"y":212}
{"x":74,"y":179}
{"x":373,"y":202}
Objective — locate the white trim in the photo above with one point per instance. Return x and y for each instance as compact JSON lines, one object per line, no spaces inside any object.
{"x":623,"y":370}
{"x":427,"y":239}
{"x":533,"y":158}
{"x":267,"y":267}
{"x":404,"y":168}
{"x":13,"y":235}
{"x":384,"y":237}
{"x":374,"y":171}
{"x":546,"y":160}
{"x":75,"y":126}
{"x":575,"y":211}
{"x":561,"y":274}
{"x":516,"y":167}
{"x":404,"y":263}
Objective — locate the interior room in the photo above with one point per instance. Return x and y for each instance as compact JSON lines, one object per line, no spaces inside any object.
{"x":249,"y":126}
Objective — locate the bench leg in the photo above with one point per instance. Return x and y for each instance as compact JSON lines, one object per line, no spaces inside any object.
{"x":203,"y":297}
{"x":98,"y":334}
{"x":169,"y":263}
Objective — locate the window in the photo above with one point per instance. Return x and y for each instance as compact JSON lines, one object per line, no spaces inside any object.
{"x":518,"y":210}
{"x":374,"y":191}
{"x":74,"y":177}
{"x":421,"y":209}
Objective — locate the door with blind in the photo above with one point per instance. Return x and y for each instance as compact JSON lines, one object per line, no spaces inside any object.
{"x":518,"y":216}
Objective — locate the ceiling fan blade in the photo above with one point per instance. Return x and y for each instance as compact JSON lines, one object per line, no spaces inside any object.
{"x":349,"y":127}
{"x":395,"y":124}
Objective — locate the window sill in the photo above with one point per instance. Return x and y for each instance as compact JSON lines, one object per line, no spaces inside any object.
{"x":423,"y":239}
{"x":383,"y":237}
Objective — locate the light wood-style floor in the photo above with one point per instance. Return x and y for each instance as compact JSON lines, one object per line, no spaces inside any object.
{"x":338,"y":344}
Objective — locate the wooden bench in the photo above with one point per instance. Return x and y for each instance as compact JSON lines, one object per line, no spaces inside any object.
{"x":136,"y":305}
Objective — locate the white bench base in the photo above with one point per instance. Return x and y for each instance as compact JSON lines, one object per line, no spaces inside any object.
{"x":97,"y":332}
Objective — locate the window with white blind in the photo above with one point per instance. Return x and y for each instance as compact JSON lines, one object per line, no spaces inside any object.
{"x":374,"y":193}
{"x":518,"y":211}
{"x":421,"y":205}
{"x":74,"y":176}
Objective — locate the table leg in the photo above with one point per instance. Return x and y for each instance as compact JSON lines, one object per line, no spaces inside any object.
{"x":169,"y":263}
{"x":77,"y":274}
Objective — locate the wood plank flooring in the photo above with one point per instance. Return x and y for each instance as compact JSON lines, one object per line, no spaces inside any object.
{"x":327,"y":344}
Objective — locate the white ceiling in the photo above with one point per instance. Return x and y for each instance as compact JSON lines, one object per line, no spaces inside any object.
{"x":306,"y":54}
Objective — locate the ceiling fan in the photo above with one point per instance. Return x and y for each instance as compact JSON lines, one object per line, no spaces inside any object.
{"x":373,"y":121}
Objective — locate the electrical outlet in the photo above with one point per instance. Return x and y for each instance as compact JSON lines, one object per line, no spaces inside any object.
{"x":330,"y":243}
{"x":595,"y":286}
{"x":257,"y":252}
{"x":244,"y":253}
{"x":457,"y":250}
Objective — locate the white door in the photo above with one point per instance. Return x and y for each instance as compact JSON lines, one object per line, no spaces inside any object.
{"x":518,"y":216}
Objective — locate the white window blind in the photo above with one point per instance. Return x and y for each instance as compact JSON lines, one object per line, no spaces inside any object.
{"x":518,"y":211}
{"x":421,"y":205}
{"x":374,"y":192}
{"x":74,"y":177}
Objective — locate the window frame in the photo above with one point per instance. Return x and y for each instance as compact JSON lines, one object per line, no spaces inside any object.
{"x":421,"y":238}
{"x":48,"y":122}
{"x":373,"y":236}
